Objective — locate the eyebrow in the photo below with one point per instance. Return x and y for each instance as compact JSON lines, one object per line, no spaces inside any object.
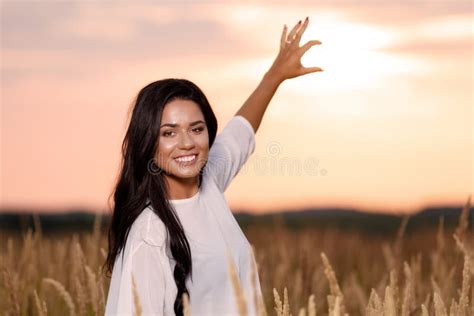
{"x":174,"y":125}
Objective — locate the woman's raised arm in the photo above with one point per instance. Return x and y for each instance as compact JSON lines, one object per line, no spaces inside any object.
{"x":286,"y":65}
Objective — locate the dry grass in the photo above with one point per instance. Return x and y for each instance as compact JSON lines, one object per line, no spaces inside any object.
{"x":320,"y":272}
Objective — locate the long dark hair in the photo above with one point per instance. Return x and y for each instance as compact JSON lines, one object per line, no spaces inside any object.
{"x":137,"y":183}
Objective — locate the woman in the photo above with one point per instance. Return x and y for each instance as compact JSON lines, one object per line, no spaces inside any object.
{"x":171,"y":226}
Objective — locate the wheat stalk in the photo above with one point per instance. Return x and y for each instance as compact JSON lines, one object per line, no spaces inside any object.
{"x":374,"y":306}
{"x":63,"y":293}
{"x":37,"y":223}
{"x":101,"y":298}
{"x":401,"y":232}
{"x":333,"y":285}
{"x":337,"y":307}
{"x":278,"y":303}
{"x":463,"y":305}
{"x":302,"y":312}
{"x":92,"y":288}
{"x":389,"y":303}
{"x":103,"y":253}
{"x":311,"y":306}
{"x":81,"y":297}
{"x":440,"y":309}
{"x":394,"y":289}
{"x":463,"y":220}
{"x":258,"y":299}
{"x":40,"y":305}
{"x":253,"y":278}
{"x":424,"y":311}
{"x":454,"y":309}
{"x":186,"y":307}
{"x":286,"y":303}
{"x":136,"y":299}
{"x":408,"y":291}
{"x":239,"y":295}
{"x":11,"y":286}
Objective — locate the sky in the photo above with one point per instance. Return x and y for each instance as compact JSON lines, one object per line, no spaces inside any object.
{"x":386,"y":127}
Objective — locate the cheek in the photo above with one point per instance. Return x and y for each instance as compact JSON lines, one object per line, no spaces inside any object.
{"x":165,"y":148}
{"x":203,"y":143}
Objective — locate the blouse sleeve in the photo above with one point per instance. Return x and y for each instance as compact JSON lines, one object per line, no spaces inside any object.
{"x":148,"y":272}
{"x":230,"y":150}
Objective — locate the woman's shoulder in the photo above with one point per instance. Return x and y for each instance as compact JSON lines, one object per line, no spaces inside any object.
{"x":148,"y":227}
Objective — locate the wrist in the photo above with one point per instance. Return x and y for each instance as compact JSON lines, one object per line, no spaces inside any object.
{"x":273,"y":77}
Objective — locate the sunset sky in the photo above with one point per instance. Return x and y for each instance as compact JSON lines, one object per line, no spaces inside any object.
{"x":387,"y":126}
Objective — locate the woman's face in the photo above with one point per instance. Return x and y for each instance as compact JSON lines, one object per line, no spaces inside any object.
{"x":183,"y":133}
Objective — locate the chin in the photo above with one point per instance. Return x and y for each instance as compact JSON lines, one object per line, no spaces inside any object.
{"x":187,"y":171}
{"x":184,"y":175}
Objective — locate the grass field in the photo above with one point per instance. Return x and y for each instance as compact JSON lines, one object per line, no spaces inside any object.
{"x":305,"y":272}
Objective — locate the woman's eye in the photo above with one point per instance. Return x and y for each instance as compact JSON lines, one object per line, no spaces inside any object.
{"x":199,"y":129}
{"x":169,"y":133}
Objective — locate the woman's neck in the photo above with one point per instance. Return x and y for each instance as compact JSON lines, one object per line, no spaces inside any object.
{"x":182,"y":188}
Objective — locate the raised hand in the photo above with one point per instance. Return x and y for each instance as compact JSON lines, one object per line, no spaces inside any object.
{"x":288,"y":61}
{"x":286,"y":65}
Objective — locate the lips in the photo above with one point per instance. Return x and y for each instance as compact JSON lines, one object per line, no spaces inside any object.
{"x":191,"y":159}
{"x":186,"y":155}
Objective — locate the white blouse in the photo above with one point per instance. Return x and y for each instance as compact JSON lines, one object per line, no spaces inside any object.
{"x":211,"y":230}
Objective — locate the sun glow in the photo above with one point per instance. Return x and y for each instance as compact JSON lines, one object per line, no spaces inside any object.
{"x":351,"y":57}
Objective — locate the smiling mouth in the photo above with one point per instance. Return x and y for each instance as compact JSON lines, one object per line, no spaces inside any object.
{"x":186,"y":159}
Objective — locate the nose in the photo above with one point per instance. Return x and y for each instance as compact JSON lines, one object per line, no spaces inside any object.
{"x":186,"y":141}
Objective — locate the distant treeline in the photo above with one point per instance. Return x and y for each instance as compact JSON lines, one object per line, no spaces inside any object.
{"x":376,"y":223}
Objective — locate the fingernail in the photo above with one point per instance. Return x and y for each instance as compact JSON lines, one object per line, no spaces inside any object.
{"x":299,"y":22}
{"x":306,"y":19}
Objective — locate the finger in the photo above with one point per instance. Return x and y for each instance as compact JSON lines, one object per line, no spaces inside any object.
{"x":308,"y":70}
{"x":300,"y":32}
{"x":283,"y":37}
{"x":308,"y":45}
{"x":293,"y":31}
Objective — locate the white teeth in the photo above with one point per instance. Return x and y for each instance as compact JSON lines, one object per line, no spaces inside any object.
{"x":187,"y":158}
